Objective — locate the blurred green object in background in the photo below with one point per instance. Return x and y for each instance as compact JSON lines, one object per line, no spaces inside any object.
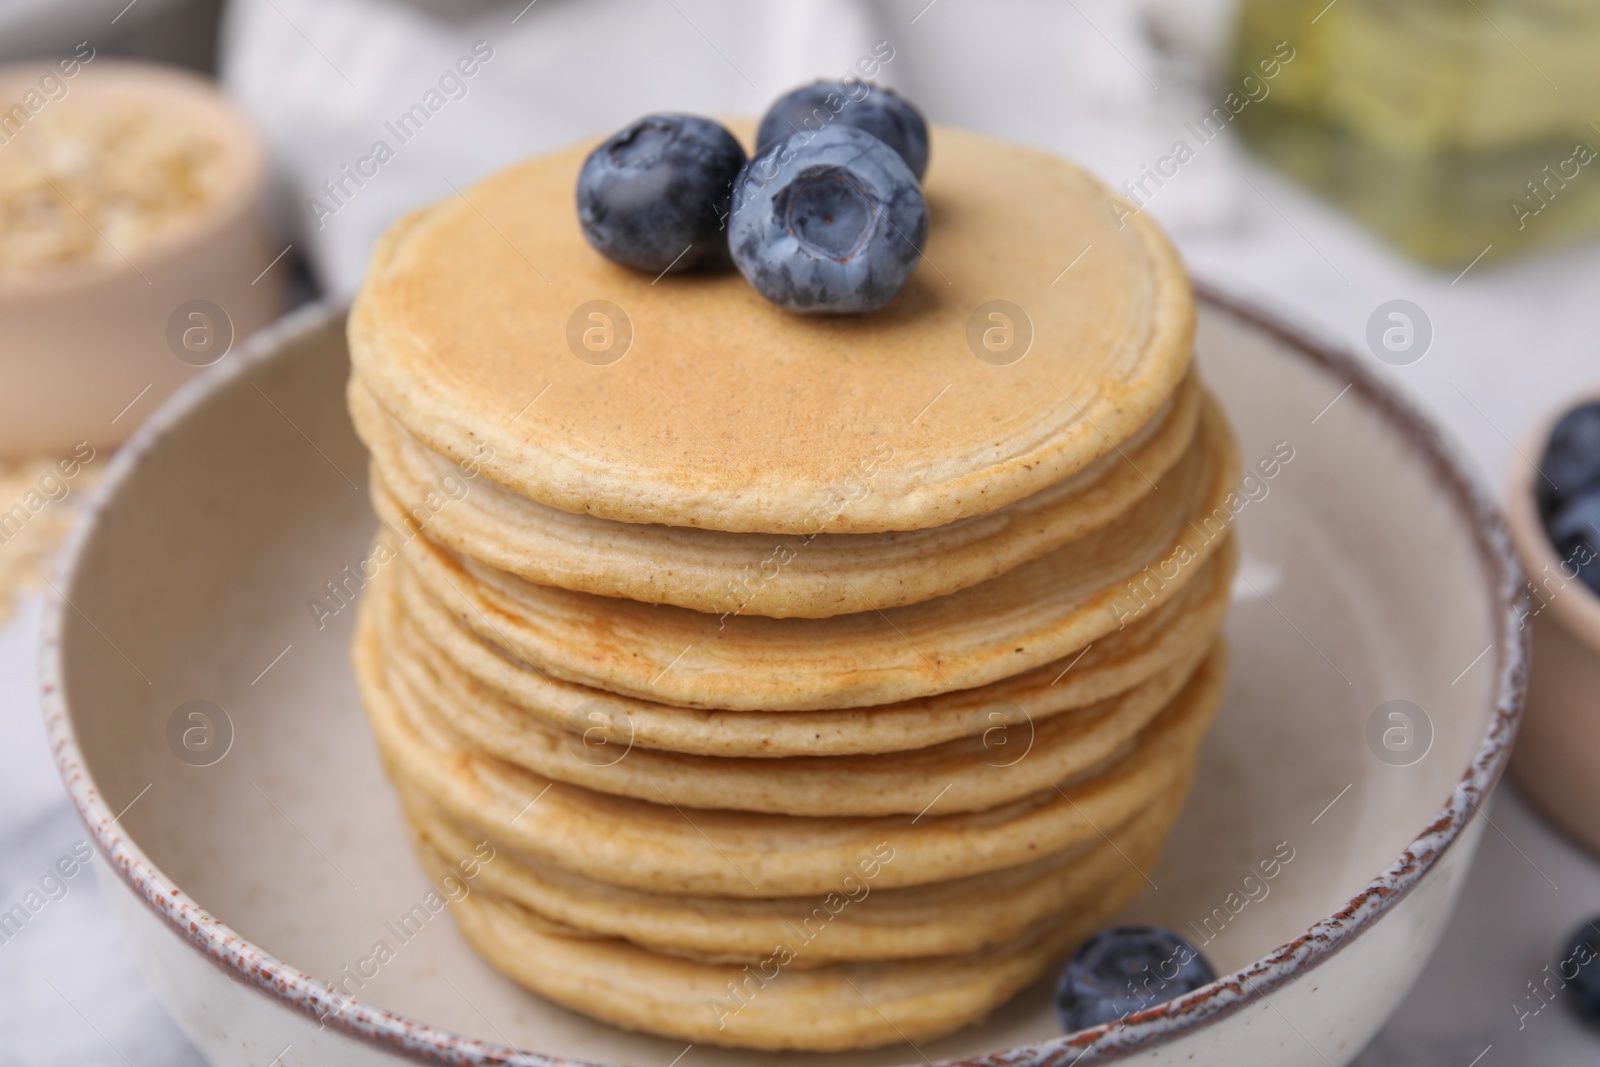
{"x":1454,"y":128}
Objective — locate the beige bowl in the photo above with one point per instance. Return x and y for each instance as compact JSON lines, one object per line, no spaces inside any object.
{"x":207,"y":727}
{"x":1557,"y":758}
{"x":84,"y":343}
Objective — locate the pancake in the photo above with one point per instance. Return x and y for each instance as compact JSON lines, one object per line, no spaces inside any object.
{"x":818,"y":681}
{"x":945,"y":918}
{"x":1004,"y":756}
{"x":661,"y":848}
{"x":412,"y":625}
{"x":745,"y":573}
{"x":724,"y":412}
{"x":831,"y":1008}
{"x":1029,"y":616}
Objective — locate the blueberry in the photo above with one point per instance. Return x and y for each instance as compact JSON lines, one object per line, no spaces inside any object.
{"x":1572,"y":458}
{"x":1580,"y":969}
{"x":881,"y":112}
{"x":829,"y":222}
{"x":1123,"y":970}
{"x":1574,"y":530}
{"x":1578,"y":517}
{"x":655,"y":195}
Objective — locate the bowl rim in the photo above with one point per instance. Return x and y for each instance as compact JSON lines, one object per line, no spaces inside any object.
{"x":1579,"y":613}
{"x":426,"y":1043}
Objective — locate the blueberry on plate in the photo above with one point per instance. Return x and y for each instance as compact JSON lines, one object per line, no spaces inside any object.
{"x":881,"y":112}
{"x":1126,"y":969}
{"x":830,"y":222}
{"x":1580,"y":969}
{"x":655,"y":195}
{"x":1571,"y":458}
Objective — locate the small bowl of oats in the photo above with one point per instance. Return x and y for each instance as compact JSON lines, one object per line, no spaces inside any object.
{"x":132,"y":251}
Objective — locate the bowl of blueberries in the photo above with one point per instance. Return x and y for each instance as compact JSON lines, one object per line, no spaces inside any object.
{"x":1554,"y":516}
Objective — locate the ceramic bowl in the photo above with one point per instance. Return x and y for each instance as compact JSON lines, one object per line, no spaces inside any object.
{"x":86,"y":348}
{"x":1557,"y":761}
{"x":1376,"y":684}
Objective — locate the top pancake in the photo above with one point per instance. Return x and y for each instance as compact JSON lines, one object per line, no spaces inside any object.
{"x":727,"y":413}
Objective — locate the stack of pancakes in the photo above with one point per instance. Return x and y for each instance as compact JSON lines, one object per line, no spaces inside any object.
{"x":818,"y":683}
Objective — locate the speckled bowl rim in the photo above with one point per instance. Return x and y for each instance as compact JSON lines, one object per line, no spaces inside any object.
{"x":1138,"y":1033}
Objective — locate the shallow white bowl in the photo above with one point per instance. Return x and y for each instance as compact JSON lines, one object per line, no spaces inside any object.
{"x":1375,"y":570}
